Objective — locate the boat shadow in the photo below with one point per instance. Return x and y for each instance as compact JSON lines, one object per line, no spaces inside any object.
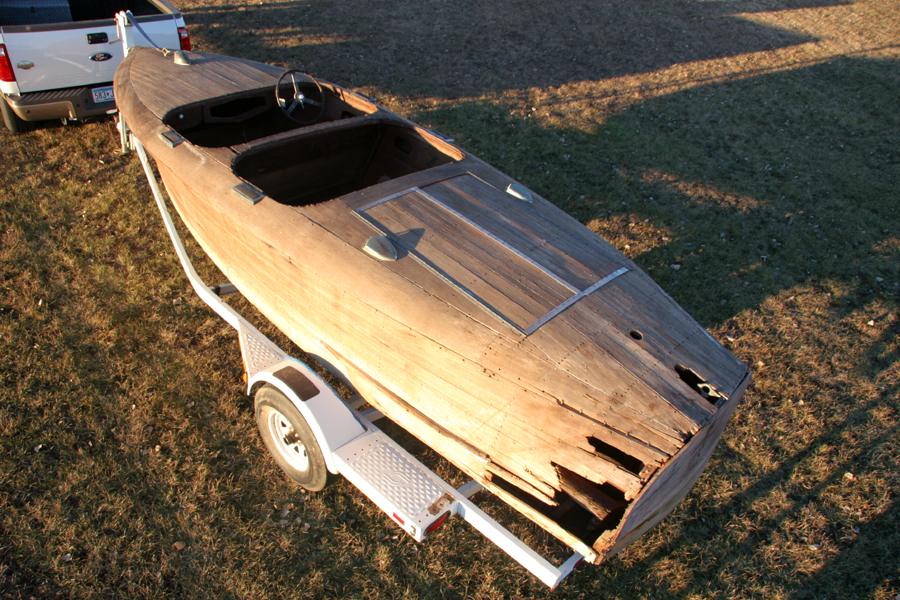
{"x":448,"y":50}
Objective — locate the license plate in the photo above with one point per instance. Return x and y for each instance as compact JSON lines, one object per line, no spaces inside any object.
{"x":104,"y":94}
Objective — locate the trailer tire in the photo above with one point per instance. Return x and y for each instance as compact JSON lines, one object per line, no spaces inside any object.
{"x":290,"y":440}
{"x":13,"y":122}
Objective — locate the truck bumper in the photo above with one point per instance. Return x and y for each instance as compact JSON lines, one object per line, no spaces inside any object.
{"x":69,"y":103}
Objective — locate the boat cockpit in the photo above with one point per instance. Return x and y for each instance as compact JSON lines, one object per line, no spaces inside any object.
{"x":308,"y":142}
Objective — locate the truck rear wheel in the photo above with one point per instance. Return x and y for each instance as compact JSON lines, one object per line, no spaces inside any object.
{"x":290,"y":440}
{"x":11,"y":119}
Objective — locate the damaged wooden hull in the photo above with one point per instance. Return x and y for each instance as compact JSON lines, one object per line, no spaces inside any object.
{"x":505,"y":335}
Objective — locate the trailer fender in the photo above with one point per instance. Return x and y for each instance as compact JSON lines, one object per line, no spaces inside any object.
{"x":331,"y":420}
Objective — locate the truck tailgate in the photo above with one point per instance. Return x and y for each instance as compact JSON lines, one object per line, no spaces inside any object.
{"x":61,"y":55}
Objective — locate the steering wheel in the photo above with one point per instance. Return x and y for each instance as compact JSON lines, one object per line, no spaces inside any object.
{"x":299,"y":102}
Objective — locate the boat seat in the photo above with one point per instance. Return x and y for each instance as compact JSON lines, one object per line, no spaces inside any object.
{"x":288,"y":137}
{"x":327,"y":160}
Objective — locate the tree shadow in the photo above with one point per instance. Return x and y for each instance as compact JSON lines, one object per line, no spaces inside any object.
{"x":749,"y":187}
{"x":862,"y":563}
{"x":754,"y":189}
{"x":470,"y":48}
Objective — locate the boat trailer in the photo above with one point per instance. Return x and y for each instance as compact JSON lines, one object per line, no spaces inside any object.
{"x":417,"y":499}
{"x":339,"y":430}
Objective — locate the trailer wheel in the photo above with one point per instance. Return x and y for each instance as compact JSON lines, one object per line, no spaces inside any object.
{"x":13,"y":122}
{"x":290,"y":440}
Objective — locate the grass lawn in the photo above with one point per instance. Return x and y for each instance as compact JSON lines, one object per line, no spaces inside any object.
{"x":746,"y":155}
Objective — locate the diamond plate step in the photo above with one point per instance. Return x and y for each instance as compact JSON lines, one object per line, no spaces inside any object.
{"x":258,"y":351}
{"x":394,"y":481}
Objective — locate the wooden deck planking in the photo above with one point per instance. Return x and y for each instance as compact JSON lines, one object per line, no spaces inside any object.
{"x":220,"y":77}
{"x":603,"y":401}
{"x":557,"y":249}
{"x":617,"y":381}
{"x":652,"y":365}
{"x":553,"y":214}
{"x":392,"y":187}
{"x":568,"y":424}
{"x":350,"y":234}
{"x":613,"y":408}
{"x":471,"y":249}
{"x":515,"y":288}
{"x":652,"y":396}
{"x":540,"y":245}
{"x":666,"y":324}
{"x":437,"y":302}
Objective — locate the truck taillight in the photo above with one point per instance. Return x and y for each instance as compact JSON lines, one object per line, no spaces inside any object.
{"x":185,"y":38}
{"x":6,"y":70}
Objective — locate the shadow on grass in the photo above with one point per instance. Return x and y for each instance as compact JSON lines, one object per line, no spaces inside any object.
{"x":859,"y":565}
{"x":449,"y":49}
{"x":750,"y":187}
{"x":755,"y":189}
{"x":798,"y":170}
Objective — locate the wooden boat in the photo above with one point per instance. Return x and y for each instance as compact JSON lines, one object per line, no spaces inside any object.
{"x":474,"y":313}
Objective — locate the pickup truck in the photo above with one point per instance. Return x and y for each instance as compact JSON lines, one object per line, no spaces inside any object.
{"x":58,"y":57}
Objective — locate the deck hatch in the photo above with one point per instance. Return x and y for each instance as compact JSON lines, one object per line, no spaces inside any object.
{"x":499,"y":273}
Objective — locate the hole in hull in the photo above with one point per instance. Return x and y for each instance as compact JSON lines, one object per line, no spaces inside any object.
{"x":616,"y":456}
{"x":698,"y":384}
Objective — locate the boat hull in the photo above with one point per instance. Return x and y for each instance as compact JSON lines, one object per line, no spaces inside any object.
{"x":507,"y":336}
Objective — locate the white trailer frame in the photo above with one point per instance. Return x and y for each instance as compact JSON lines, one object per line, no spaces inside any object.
{"x":407,"y":491}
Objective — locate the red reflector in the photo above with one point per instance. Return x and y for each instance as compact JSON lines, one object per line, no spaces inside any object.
{"x":398,"y":519}
{"x":6,"y":70}
{"x":185,"y":38}
{"x":440,"y":521}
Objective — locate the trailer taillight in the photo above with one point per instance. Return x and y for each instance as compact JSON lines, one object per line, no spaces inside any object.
{"x":185,"y":38}
{"x":6,"y":70}
{"x":440,"y":521}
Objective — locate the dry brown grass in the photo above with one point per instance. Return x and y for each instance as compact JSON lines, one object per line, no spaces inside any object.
{"x":754,"y":145}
